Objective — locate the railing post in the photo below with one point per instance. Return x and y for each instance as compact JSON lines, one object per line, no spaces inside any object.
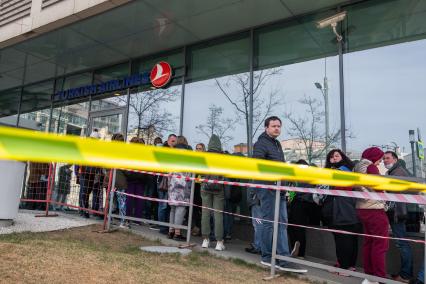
{"x":191,"y":210}
{"x":275,"y":232}
{"x":424,"y":247}
{"x":49,"y":178}
{"x":107,"y":199}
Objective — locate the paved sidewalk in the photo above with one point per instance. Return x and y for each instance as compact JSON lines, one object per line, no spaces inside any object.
{"x":27,"y":222}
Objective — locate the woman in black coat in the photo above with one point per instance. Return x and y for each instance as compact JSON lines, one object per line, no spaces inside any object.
{"x":340,"y":213}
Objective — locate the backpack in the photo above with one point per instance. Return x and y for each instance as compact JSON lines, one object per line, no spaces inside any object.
{"x":213,"y":187}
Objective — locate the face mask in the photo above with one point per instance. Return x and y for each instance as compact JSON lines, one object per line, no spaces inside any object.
{"x":159,"y":145}
{"x":389,"y":166}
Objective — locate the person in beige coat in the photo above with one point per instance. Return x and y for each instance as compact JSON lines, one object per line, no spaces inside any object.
{"x":373,"y":217}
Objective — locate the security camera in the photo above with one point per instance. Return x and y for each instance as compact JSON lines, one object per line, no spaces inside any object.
{"x":332,"y":22}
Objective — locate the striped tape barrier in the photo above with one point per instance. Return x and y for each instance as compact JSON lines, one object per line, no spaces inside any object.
{"x":27,"y":145}
{"x":383,"y":196}
{"x":183,"y":203}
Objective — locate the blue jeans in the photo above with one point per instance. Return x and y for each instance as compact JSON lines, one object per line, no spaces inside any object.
{"x":267,"y":208}
{"x":399,"y":230}
{"x":258,"y":227}
{"x":421,"y":275}
{"x":228,"y":219}
{"x":163,"y":212}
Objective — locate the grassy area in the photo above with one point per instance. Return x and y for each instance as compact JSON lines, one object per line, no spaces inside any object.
{"x":81,"y":255}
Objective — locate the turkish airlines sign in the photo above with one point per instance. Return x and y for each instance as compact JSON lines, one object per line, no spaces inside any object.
{"x":161,"y":74}
{"x":159,"y":77}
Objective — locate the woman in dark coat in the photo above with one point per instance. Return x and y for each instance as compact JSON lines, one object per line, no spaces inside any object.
{"x":340,"y":213}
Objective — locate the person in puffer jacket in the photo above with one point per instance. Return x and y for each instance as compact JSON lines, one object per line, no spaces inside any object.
{"x":373,"y":217}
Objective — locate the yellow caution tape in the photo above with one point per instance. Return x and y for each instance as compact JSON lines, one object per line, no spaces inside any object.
{"x":26,"y":145}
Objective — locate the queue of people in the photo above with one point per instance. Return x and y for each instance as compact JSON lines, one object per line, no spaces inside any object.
{"x":356,"y":216}
{"x":370,"y":217}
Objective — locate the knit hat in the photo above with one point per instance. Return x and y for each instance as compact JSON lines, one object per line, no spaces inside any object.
{"x":372,"y":154}
{"x":214,"y":144}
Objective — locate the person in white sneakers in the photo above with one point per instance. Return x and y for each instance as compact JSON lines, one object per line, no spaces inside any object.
{"x":213,"y":196}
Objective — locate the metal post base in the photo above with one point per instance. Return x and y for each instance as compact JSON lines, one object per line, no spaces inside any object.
{"x":47,"y":215}
{"x":5,"y":223}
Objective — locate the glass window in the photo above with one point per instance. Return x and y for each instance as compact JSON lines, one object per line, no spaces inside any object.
{"x":219,"y":58}
{"x":154,"y":113}
{"x":221,"y":105}
{"x":385,"y":97}
{"x":400,"y":20}
{"x":297,"y":93}
{"x":117,"y":100}
{"x":111,"y":73}
{"x":293,"y":42}
{"x":110,"y":100}
{"x":9,"y":104}
{"x":175,"y":59}
{"x":297,"y":76}
{"x":70,"y":119}
{"x":218,"y":106}
{"x":75,"y":81}
{"x":35,"y":107}
{"x":384,"y":100}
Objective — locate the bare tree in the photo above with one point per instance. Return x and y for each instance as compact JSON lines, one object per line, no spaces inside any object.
{"x":306,"y":129}
{"x":215,"y":124}
{"x":147,"y":116}
{"x":236,"y":89}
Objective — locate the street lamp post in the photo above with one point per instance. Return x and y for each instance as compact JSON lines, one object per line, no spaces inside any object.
{"x":413,"y":155}
{"x":324,"y":92}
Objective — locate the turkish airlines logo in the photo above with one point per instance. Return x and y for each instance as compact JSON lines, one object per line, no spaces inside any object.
{"x":161,"y":74}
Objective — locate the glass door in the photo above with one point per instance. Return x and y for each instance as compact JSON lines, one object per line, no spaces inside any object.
{"x":106,"y":123}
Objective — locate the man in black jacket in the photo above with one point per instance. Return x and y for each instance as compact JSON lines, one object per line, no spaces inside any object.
{"x":397,"y":214}
{"x":268,"y":147}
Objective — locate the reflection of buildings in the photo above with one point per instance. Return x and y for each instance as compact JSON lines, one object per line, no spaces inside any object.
{"x":73,"y":119}
{"x":294,"y":149}
{"x":147,"y":133}
{"x":107,"y":125}
{"x":241,"y":148}
{"x":40,"y":117}
{"x":70,"y":120}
